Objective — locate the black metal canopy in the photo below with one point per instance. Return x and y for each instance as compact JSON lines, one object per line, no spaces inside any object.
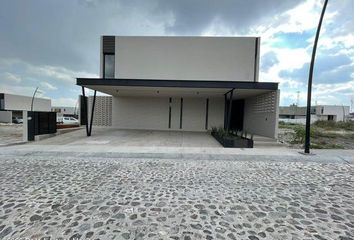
{"x":175,"y":83}
{"x":232,"y":85}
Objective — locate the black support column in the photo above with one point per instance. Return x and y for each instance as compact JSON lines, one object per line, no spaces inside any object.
{"x":85,"y":110}
{"x":92,"y":112}
{"x":88,"y":126}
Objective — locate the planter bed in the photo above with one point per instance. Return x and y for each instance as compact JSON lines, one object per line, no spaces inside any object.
{"x":233,"y":141}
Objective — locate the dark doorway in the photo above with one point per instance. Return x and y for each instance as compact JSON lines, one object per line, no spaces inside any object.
{"x":237,"y":113}
{"x":236,"y":122}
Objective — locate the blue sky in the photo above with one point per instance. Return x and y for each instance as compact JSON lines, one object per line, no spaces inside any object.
{"x":50,"y":43}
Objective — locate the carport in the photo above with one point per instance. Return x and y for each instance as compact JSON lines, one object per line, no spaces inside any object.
{"x":227,"y":113}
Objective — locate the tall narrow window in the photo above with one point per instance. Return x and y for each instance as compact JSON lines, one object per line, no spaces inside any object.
{"x":108,"y":65}
{"x":206,"y":113}
{"x":169,"y":113}
{"x":180,"y":114}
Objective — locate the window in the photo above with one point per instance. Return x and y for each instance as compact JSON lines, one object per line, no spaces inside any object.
{"x":108,"y":66}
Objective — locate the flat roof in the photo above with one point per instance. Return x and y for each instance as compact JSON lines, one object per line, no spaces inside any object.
{"x":176,"y":83}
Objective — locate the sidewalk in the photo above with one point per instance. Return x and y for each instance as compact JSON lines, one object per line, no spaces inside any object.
{"x":274,"y":154}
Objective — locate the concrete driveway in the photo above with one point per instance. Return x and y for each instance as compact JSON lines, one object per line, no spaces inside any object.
{"x":133,"y":138}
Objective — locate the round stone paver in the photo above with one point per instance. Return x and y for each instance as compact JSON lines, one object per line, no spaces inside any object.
{"x":52,"y":196}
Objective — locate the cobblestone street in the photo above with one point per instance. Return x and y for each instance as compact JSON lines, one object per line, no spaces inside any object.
{"x":81,"y":197}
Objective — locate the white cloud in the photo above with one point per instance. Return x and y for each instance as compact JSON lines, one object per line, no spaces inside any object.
{"x":19,"y":89}
{"x":46,"y":71}
{"x":290,"y":97}
{"x":48,"y":86}
{"x":303,"y":18}
{"x":59,"y":73}
{"x":217,"y":28}
{"x":288,"y":59}
{"x":64,"y":102}
{"x":12,"y":78}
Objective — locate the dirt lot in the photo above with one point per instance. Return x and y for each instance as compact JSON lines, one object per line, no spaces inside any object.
{"x":323,"y":135}
{"x":10,"y":133}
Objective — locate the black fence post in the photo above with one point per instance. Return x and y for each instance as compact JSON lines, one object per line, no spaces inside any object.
{"x":309,"y":87}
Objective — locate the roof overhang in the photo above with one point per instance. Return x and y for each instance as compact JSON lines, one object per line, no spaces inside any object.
{"x":148,"y":87}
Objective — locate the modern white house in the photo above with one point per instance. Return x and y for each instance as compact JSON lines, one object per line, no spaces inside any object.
{"x":184,"y":84}
{"x":297,"y":114}
{"x":12,"y":105}
{"x":65,"y":111}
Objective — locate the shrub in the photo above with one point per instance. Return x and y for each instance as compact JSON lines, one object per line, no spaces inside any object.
{"x":346,"y":125}
{"x":222,"y":132}
{"x":300,"y":133}
{"x":331,"y":125}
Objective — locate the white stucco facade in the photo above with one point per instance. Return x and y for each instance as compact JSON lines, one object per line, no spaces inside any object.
{"x":184,"y":84}
{"x":153,"y":113}
{"x":186,"y":58}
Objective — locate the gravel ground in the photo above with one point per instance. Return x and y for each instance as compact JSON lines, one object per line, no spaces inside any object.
{"x":10,"y":133}
{"x":75,"y":197}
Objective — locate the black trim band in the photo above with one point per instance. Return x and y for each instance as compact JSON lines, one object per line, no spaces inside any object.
{"x":175,"y":83}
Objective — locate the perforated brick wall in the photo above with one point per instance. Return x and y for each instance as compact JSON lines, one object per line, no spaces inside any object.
{"x":103,"y":110}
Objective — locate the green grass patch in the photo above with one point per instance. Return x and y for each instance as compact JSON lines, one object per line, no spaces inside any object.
{"x":326,"y":145}
{"x":318,"y":138}
{"x":288,"y":125}
{"x":331,"y":125}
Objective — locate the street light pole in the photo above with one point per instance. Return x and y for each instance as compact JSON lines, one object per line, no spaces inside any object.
{"x":34,"y":94}
{"x":309,"y":87}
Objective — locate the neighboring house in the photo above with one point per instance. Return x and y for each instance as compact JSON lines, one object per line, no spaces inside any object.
{"x":66,"y":111}
{"x":350,"y":117}
{"x":330,"y":112}
{"x":11,"y":106}
{"x":297,"y":114}
{"x":184,"y":84}
{"x":292,"y":112}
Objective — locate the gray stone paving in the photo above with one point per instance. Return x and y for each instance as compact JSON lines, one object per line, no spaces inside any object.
{"x":64,"y":197}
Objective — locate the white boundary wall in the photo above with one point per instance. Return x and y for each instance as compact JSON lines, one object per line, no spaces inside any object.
{"x":5,"y":117}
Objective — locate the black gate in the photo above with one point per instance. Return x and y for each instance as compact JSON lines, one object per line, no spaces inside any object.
{"x":41,"y":123}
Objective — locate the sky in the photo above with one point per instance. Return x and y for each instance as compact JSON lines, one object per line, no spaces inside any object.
{"x":49,"y":43}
